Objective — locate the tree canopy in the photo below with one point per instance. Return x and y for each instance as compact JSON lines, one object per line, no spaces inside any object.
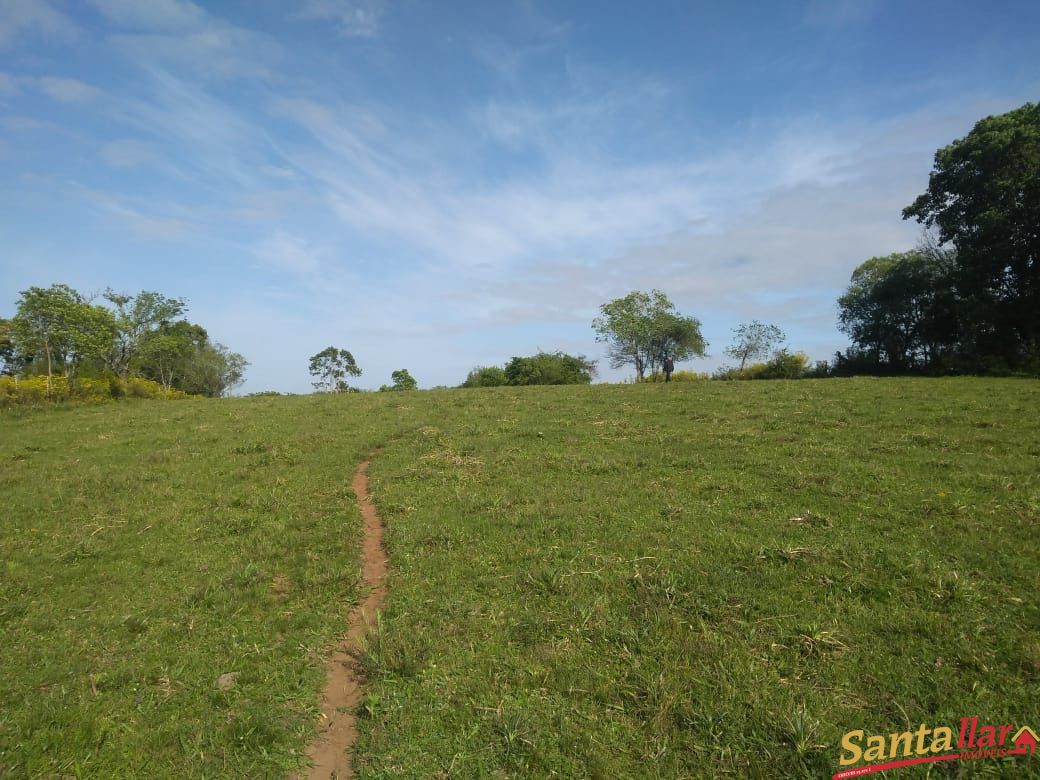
{"x":642,"y":329}
{"x":137,"y":316}
{"x":8,"y":351}
{"x":60,"y":328}
{"x":983,"y":196}
{"x":754,"y":340}
{"x":331,"y":367}
{"x":550,"y":368}
{"x":899,"y":311}
{"x":402,"y":381}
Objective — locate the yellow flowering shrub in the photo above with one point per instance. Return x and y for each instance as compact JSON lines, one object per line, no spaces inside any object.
{"x":34,"y":390}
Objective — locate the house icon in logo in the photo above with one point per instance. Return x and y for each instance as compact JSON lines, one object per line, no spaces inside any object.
{"x":1025,"y":741}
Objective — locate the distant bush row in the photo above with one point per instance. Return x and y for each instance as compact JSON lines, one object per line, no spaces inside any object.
{"x":33,"y":390}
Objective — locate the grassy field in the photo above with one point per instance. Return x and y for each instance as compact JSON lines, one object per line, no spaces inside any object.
{"x":690,"y":580}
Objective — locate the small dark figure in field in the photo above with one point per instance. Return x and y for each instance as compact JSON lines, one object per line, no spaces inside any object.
{"x":668,"y":367}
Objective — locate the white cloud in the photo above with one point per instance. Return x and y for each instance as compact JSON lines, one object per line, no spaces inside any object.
{"x":151,"y":15}
{"x":127,"y":153}
{"x":839,"y":13}
{"x":289,"y":252}
{"x":202,"y":135}
{"x":182,"y":35}
{"x":354,"y":19}
{"x":9,"y":85}
{"x":38,"y":17}
{"x":67,"y":90}
{"x":145,"y":219}
{"x":214,"y":51}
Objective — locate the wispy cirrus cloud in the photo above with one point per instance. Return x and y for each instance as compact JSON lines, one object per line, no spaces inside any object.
{"x":182,"y":35}
{"x":288,"y":252}
{"x":60,"y":88}
{"x":67,"y":90}
{"x":353,"y":18}
{"x":37,"y":19}
{"x":128,"y":153}
{"x":839,"y":13}
{"x":153,"y":15}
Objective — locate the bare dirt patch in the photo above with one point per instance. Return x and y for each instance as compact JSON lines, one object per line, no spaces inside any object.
{"x":331,"y":753}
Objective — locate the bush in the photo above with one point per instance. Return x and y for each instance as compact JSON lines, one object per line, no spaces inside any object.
{"x":485,"y":376}
{"x":783,"y":365}
{"x":550,"y":368}
{"x":33,"y":390}
{"x":786,"y":365}
{"x":678,"y":376}
{"x":403,"y":382}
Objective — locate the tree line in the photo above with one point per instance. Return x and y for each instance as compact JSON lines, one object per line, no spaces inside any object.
{"x":967,"y":299}
{"x":57,"y":331}
{"x":644,"y":331}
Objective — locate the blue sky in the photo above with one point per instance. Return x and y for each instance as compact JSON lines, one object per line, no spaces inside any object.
{"x":437,"y":185}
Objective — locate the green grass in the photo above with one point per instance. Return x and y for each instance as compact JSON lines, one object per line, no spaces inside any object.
{"x":147,"y":548}
{"x":687,"y":580}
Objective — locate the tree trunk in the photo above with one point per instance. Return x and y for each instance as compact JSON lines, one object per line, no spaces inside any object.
{"x":47,"y":349}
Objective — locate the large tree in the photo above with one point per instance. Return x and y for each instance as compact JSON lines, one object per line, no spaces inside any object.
{"x":900,"y":311}
{"x":213,"y":371}
{"x":754,"y":340}
{"x":167,"y":354}
{"x":984,"y":197}
{"x":331,"y":367}
{"x":136,"y":316}
{"x":58,"y":326}
{"x":9,"y":360}
{"x":642,"y":329}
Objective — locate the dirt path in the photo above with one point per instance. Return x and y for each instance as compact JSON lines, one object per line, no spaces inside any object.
{"x":331,"y":752}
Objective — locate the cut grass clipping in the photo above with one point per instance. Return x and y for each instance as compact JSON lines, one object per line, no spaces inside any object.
{"x":687,"y":580}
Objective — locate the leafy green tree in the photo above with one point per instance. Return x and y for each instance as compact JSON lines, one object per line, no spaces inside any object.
{"x":900,"y":311}
{"x":486,"y":376}
{"x":984,"y":197}
{"x":754,"y":340}
{"x":331,"y":367}
{"x":550,"y":368}
{"x":402,"y":381}
{"x":214,"y":370}
{"x":167,"y":353}
{"x":135,"y":317}
{"x":60,"y":327}
{"x":642,"y":329}
{"x":8,"y":352}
